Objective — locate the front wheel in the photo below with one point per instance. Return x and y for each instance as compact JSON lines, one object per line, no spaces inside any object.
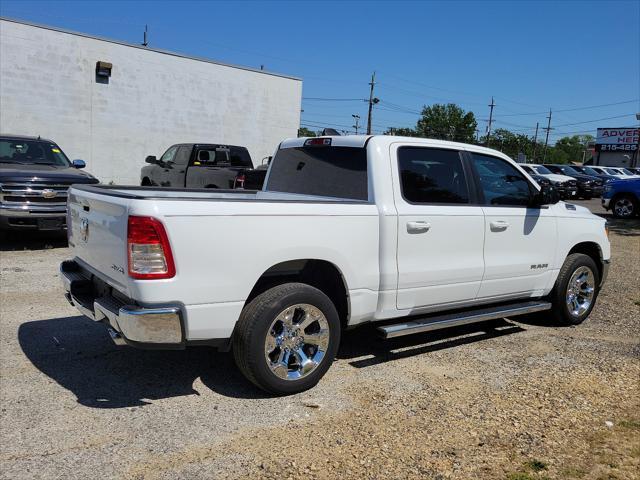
{"x":574,"y":294}
{"x":286,"y":338}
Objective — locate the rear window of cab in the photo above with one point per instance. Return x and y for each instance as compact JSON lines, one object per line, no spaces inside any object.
{"x":325,"y":171}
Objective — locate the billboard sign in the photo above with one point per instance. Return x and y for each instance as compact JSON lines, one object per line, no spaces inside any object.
{"x":617,"y":139}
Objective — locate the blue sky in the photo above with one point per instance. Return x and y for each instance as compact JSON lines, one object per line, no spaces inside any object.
{"x":529,"y":55}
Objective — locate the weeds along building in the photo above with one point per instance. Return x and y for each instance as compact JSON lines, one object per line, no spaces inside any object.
{"x":111,"y":103}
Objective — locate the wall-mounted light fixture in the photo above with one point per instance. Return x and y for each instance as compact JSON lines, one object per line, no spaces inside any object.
{"x":103,"y":69}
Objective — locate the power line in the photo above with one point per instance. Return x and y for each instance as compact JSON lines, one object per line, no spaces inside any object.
{"x":597,"y":120}
{"x":598,"y":106}
{"x":322,"y":99}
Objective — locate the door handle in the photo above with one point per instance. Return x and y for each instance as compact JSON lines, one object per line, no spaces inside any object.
{"x":418,"y":227}
{"x":499,"y":225}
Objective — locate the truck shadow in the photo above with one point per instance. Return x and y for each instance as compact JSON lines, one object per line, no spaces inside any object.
{"x":365,"y":342}
{"x":30,"y":240}
{"x":619,"y":226}
{"x":79,"y":355}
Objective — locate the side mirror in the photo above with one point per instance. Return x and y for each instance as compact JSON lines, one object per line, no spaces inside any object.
{"x":548,"y":195}
{"x":79,"y":164}
{"x":151,"y":159}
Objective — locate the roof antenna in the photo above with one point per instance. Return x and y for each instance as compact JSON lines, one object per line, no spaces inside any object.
{"x":145,"y":43}
{"x":38,"y":137}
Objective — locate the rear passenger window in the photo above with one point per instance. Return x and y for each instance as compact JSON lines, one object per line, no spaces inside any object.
{"x":430,"y":175}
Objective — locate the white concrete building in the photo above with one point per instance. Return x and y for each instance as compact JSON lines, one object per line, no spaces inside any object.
{"x":49,"y":86}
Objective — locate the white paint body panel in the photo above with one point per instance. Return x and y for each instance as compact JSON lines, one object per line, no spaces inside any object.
{"x":528,"y":238}
{"x":388,"y":272}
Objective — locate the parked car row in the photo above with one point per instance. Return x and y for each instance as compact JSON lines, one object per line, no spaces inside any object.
{"x":573,"y":181}
{"x":35,"y":175}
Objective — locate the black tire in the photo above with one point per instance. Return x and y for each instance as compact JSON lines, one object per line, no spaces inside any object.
{"x":558,"y":296}
{"x":254,"y":325}
{"x":624,"y":206}
{"x":587,"y":197}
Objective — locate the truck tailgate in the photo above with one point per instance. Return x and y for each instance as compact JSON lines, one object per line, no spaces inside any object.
{"x":97,"y":230}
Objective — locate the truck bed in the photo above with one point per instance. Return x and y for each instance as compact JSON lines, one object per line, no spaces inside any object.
{"x":163,"y":193}
{"x":223,"y":241}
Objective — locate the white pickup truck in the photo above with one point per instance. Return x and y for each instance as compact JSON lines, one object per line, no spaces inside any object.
{"x":416,"y":234}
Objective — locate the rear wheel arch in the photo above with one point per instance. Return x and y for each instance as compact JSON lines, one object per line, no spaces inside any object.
{"x":321,"y":274}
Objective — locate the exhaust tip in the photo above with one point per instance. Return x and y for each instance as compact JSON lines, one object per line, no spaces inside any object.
{"x":116,"y":337}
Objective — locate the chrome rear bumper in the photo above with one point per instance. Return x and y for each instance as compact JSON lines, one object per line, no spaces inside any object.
{"x":140,"y":326}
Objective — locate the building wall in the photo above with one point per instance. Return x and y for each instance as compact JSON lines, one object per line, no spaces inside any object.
{"x":615,"y":159}
{"x":153,"y":99}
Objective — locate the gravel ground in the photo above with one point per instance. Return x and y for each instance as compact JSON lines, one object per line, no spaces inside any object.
{"x":511,"y":399}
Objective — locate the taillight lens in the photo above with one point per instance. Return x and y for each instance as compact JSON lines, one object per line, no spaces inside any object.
{"x":240,"y":179}
{"x":148,"y":249}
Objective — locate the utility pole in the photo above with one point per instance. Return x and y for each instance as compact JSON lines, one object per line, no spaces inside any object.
{"x":491,"y":105}
{"x":145,"y":43}
{"x":357,"y":125}
{"x":637,"y":152}
{"x":535,"y":142}
{"x":546,"y":140}
{"x":372,"y":101}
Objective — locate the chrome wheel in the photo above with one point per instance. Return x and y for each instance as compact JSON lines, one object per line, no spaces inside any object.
{"x":297,"y":341}
{"x":623,"y":207}
{"x":580,"y":291}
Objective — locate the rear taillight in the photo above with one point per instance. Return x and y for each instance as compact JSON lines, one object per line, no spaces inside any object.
{"x":240,"y":179}
{"x":148,"y":249}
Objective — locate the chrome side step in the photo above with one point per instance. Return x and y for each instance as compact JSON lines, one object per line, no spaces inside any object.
{"x":426,"y":324}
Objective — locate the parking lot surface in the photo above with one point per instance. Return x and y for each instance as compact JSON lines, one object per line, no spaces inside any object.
{"x":509,"y":399}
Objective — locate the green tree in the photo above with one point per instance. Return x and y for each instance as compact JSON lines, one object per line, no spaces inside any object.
{"x":447,"y":122}
{"x":401,"y":132}
{"x":513,"y":144}
{"x":305,"y":132}
{"x":570,"y":149}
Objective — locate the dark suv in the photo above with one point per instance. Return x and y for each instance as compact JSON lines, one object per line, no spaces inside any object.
{"x":588,"y":186}
{"x":196,"y":165}
{"x":35,"y":175}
